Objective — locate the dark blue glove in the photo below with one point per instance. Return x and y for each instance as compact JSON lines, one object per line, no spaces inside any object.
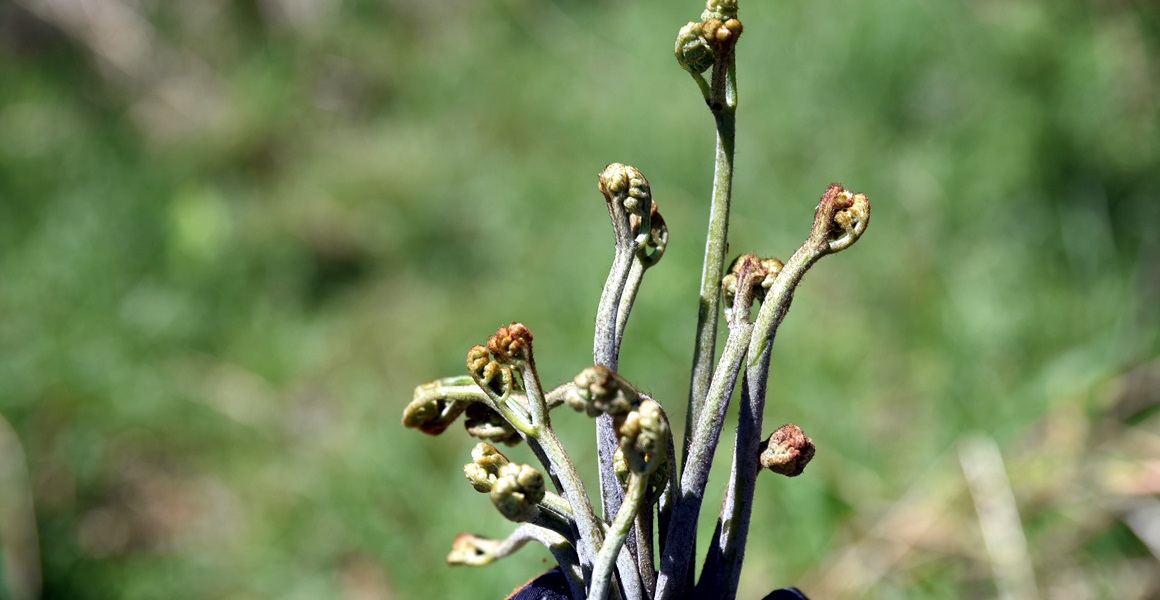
{"x":553,"y":586}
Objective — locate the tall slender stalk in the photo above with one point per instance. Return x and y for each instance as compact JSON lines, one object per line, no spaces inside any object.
{"x":617,"y":534}
{"x":675,"y":560}
{"x":723,"y":102}
{"x":722,"y":569}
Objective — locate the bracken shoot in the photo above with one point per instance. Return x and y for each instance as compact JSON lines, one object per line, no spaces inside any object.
{"x":643,"y":544}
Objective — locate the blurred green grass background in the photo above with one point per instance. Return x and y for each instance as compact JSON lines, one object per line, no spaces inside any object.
{"x":235,"y":235}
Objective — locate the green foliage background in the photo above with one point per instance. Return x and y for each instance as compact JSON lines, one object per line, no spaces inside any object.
{"x":235,"y":235}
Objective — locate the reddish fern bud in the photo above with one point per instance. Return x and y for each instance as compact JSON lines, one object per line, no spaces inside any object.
{"x":787,"y":451}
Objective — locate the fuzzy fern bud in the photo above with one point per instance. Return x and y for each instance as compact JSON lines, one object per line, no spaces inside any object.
{"x":749,"y":278}
{"x":437,"y":404}
{"x":600,"y":391}
{"x":511,"y":345}
{"x":693,"y":52}
{"x":490,"y":375}
{"x":772,"y":267}
{"x":429,"y":413}
{"x":841,"y":218}
{"x":627,"y":185}
{"x":720,"y":9}
{"x":721,"y":34}
{"x":482,"y":471}
{"x":787,"y":451}
{"x":517,"y":490}
{"x":472,"y":550}
{"x":643,"y":436}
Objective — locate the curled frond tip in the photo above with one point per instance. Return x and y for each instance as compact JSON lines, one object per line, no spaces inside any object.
{"x":843,"y":215}
{"x":643,"y":436}
{"x":511,"y":344}
{"x":597,"y":390}
{"x":517,"y":490}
